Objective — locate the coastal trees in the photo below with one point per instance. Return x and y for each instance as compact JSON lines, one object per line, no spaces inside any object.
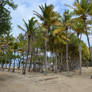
{"x":49,"y":40}
{"x":30,"y":30}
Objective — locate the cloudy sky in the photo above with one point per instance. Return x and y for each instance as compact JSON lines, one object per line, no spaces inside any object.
{"x":25,"y":11}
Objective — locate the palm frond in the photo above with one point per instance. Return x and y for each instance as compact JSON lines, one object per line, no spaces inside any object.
{"x":21,"y":28}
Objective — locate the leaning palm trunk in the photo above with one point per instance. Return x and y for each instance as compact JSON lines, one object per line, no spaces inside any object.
{"x":89,"y":46}
{"x":88,"y":40}
{"x":28,"y":50}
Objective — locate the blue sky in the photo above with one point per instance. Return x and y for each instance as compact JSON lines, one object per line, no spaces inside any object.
{"x":25,"y":11}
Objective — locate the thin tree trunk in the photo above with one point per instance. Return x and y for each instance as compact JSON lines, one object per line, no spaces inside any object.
{"x":88,"y":40}
{"x":61,"y":61}
{"x":14,"y":63}
{"x":80,"y":56}
{"x":56,"y":64}
{"x":9,"y":64}
{"x":28,"y":50}
{"x":67,"y":61}
{"x":30,"y":63}
{"x":31,"y":56}
{"x":23,"y":63}
{"x":45,"y":59}
{"x":19,"y":60}
{"x":2,"y":65}
{"x":19,"y":64}
{"x":89,"y":46}
{"x":3,"y":62}
{"x":6,"y":61}
{"x":46,"y":42}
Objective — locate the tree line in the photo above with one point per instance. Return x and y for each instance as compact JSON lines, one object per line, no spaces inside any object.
{"x":51,"y":44}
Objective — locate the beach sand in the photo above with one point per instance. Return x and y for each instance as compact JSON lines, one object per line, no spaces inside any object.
{"x":37,"y":82}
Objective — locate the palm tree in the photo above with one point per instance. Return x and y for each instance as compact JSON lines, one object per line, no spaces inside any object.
{"x":49,"y":18}
{"x":21,"y":48}
{"x":15,"y":47}
{"x":66,"y":17}
{"x":30,"y":29}
{"x":83,"y":10}
{"x":65,"y":27}
{"x":78,"y":27}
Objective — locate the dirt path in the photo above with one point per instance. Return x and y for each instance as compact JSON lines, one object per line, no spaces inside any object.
{"x":35,"y":82}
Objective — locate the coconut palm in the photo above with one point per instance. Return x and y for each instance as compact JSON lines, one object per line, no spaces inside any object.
{"x":66,"y":17}
{"x":30,"y":30}
{"x":78,"y":26}
{"x":21,"y":47}
{"x":83,"y":10}
{"x":64,"y":26}
{"x":49,"y":18}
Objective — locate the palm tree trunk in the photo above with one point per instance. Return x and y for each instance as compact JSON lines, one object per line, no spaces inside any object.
{"x":14,"y":63}
{"x":3,"y":62}
{"x":88,"y":40}
{"x":56,"y":64}
{"x":2,"y":65}
{"x":23,"y":62}
{"x":31,"y":56}
{"x":19,"y":64}
{"x":67,"y":62}
{"x":30,"y":63}
{"x":45,"y":59}
{"x":19,"y":60}
{"x":6,"y":61}
{"x":9,"y":64}
{"x":61,"y":62}
{"x":28,"y":50}
{"x":80,"y":56}
{"x":89,"y":46}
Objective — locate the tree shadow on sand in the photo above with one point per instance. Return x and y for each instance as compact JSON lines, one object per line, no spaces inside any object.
{"x":5,"y":77}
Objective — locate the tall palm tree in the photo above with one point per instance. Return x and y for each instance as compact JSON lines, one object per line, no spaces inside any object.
{"x":15,"y":48}
{"x":49,"y":18}
{"x":30,"y":29}
{"x":78,"y":26}
{"x":66,"y":17}
{"x":83,"y":10}
{"x":65,"y":27}
{"x":21,"y":48}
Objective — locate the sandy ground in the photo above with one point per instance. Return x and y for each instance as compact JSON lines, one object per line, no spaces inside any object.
{"x":36,"y":82}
